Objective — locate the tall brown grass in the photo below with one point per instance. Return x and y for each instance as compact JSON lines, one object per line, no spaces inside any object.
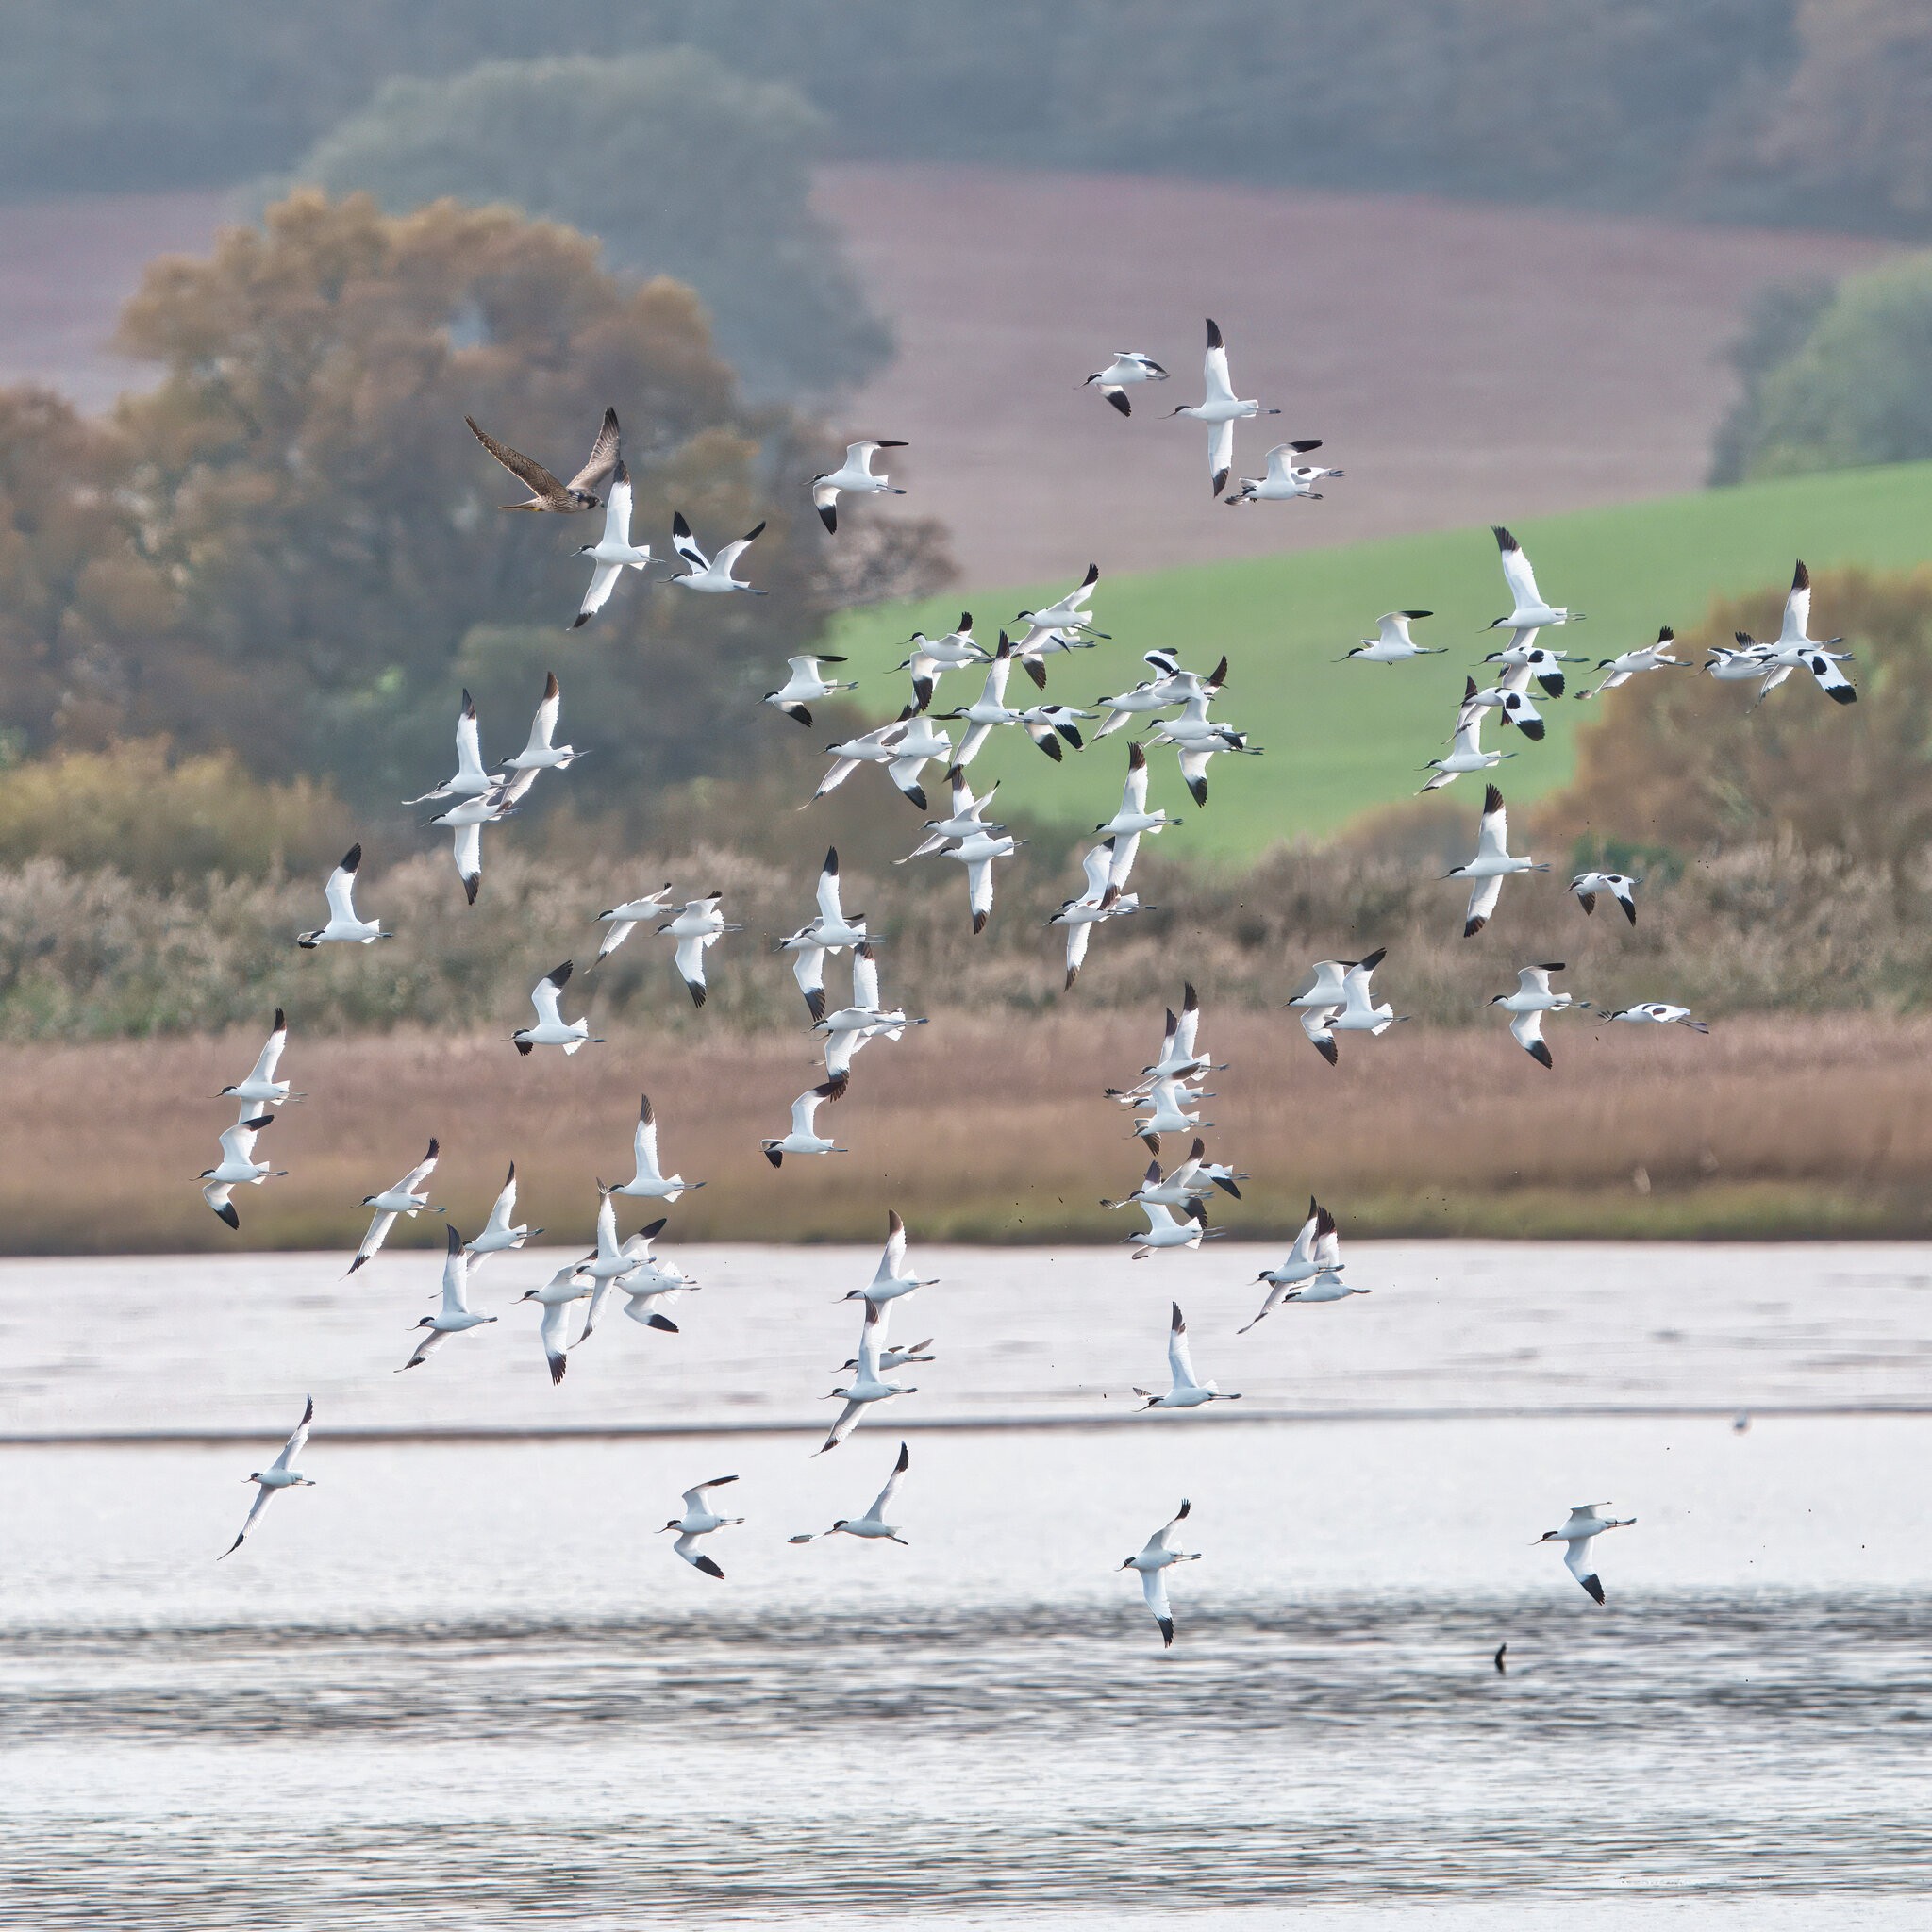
{"x":93,"y":954}
{"x":998,"y":1130}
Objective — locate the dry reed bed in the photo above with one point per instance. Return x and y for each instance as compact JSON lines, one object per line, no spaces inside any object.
{"x":998,"y":1131}
{"x":95,"y":956}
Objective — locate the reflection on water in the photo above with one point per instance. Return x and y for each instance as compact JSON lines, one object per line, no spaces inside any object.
{"x":606,"y":1772}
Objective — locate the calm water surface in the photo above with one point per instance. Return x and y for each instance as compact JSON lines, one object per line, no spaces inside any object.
{"x":458,"y":1684}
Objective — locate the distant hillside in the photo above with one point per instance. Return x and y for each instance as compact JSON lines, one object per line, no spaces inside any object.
{"x":1342,"y":738}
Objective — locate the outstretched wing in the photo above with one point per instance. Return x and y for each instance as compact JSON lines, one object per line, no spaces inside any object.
{"x":883,"y":1501}
{"x":602,"y":461}
{"x":299,"y":1440}
{"x":532,"y":474}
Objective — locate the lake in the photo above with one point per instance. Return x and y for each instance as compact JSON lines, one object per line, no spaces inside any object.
{"x":464,"y":1678}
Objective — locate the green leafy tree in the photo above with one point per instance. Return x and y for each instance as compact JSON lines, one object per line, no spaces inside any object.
{"x":679,"y":166}
{"x":1857,"y":389}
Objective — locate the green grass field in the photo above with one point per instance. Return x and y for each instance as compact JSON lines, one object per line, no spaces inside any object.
{"x":1340,"y":739}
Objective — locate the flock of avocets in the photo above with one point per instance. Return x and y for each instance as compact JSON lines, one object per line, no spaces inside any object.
{"x":1335,"y":998}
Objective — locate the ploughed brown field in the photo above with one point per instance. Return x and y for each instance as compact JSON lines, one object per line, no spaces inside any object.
{"x":998,"y":1131}
{"x":1464,"y":363}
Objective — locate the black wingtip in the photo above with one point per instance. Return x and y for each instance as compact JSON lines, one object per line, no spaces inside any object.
{"x":1213,"y":333}
{"x":710,"y":1568}
{"x":1166,"y":1632}
{"x":351,"y":858}
{"x":1594,"y":1588}
{"x":227,"y":1214}
{"x":1539,"y":1051}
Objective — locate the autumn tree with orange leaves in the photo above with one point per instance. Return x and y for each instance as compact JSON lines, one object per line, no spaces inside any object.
{"x":291,"y":543}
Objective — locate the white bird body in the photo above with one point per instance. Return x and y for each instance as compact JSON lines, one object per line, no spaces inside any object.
{"x":470,"y":780}
{"x":1585,"y":1523}
{"x":966,"y":820}
{"x":613,"y":553}
{"x":803,"y":1137}
{"x":868,"y":1385}
{"x":280,"y":1475}
{"x":539,"y":754}
{"x":1492,"y":863}
{"x":238,"y":1166}
{"x":1068,"y":617}
{"x":569,"y":1284}
{"x":977,"y":854}
{"x":1658,"y":1013}
{"x":611,"y":1259}
{"x":1127,"y":369}
{"x":1629,"y":664}
{"x":1794,"y":649}
{"x":892,"y":1281}
{"x":1286,"y":478}
{"x":989,"y":710}
{"x":1528,"y":1005}
{"x":502,"y":1233}
{"x":916,"y":747}
{"x":806,"y":685}
{"x":1749,"y":660}
{"x":1163,"y":1231}
{"x":1180,"y":1055}
{"x":854,"y":474}
{"x":1466,"y":754}
{"x":468,"y":816}
{"x":1510,"y":698}
{"x":696,"y":925}
{"x":1133,"y":818}
{"x":650,"y":1182}
{"x":872,"y":1525}
{"x":552,"y":1028}
{"x":455,"y":1315}
{"x":624,"y":919}
{"x":343,"y":927}
{"x":1155,"y":1558}
{"x":1328,"y":1286}
{"x":1530,"y":610}
{"x":262,"y":1089}
{"x":931,"y":657}
{"x":700,"y":1519}
{"x":1392,"y":643}
{"x":712,"y":574}
{"x":1620,"y":886}
{"x":1187,"y":1391}
{"x":1359,"y":1013}
{"x":1167,"y":1114}
{"x":1314,"y":1261}
{"x":404,"y":1197}
{"x":1220,"y":409}
{"x":879,"y":746}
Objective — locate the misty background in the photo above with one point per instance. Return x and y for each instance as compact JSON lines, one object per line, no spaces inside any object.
{"x":1509,"y":260}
